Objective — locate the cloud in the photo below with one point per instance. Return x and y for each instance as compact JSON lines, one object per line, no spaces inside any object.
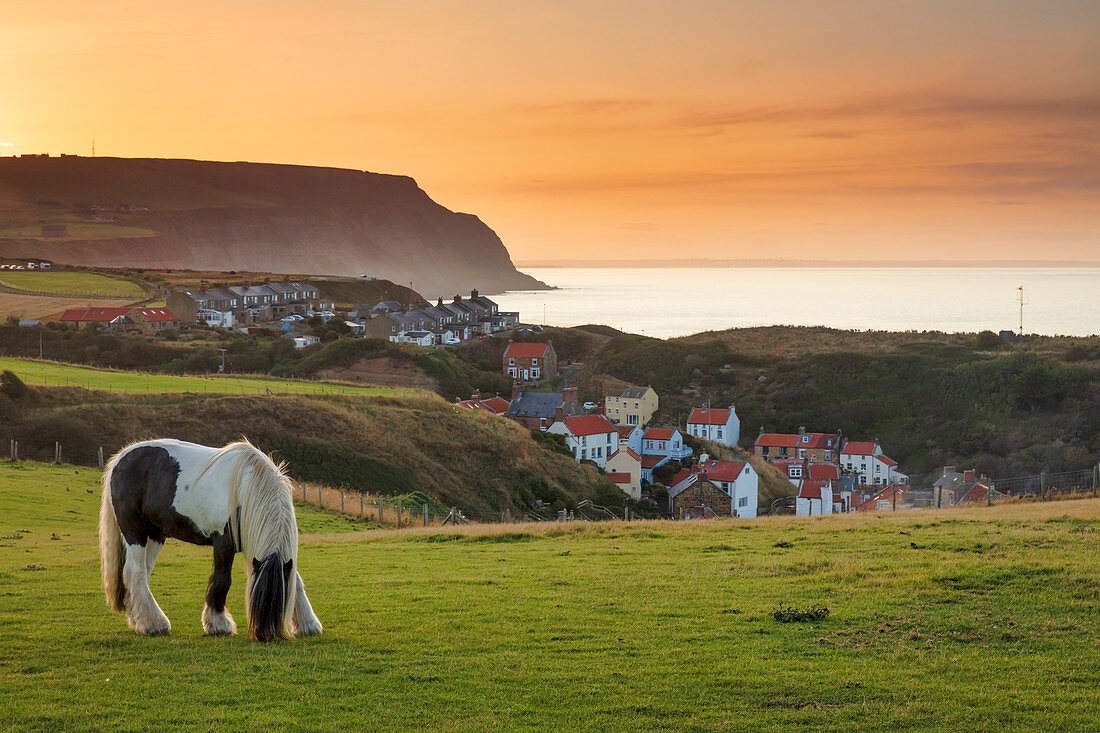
{"x":7,"y":145}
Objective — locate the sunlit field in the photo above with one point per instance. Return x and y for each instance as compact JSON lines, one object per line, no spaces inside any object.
{"x":71,"y":283}
{"x":952,"y":620}
{"x":63,"y":375}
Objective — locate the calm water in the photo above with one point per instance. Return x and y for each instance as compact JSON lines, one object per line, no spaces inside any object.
{"x":676,"y":302}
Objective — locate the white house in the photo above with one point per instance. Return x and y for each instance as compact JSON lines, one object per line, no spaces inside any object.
{"x":815,"y":498}
{"x":869,"y":465}
{"x":721,"y":426}
{"x":590,"y":437}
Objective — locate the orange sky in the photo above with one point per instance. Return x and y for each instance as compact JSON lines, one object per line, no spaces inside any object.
{"x":884,"y":129}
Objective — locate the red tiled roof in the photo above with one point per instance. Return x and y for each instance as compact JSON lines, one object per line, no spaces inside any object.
{"x":887,"y":460}
{"x":811,"y":490}
{"x":777,"y":440}
{"x":526,"y":350}
{"x":626,"y":430}
{"x":852,"y":448}
{"x":85,"y":315}
{"x":709,"y":417}
{"x":619,"y":478}
{"x":824,"y":471}
{"x":652,"y":461}
{"x":658,"y":434}
{"x":723,"y":470}
{"x":499,"y":405}
{"x":629,"y":452}
{"x":157,"y":315}
{"x":590,"y":425}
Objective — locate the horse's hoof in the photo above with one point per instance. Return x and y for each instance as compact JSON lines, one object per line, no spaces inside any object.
{"x":219,"y":632}
{"x":165,"y":631}
{"x":309,"y":629}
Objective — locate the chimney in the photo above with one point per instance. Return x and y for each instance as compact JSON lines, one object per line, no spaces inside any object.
{"x":517,"y":387}
{"x":473,"y":293}
{"x":801,"y":429}
{"x":948,"y":469}
{"x":569,"y":394}
{"x":476,"y":395}
{"x":970,"y":476}
{"x":458,"y":298}
{"x":440,"y":303}
{"x":559,"y":414}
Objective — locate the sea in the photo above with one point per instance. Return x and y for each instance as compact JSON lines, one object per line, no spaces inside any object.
{"x":669,"y":302}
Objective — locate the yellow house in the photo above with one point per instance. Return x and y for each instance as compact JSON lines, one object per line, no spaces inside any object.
{"x":624,"y":468}
{"x":632,"y":406}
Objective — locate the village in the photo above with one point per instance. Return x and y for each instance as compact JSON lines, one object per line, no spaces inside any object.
{"x":616,"y":433}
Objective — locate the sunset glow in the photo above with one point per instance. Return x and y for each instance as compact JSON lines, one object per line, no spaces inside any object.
{"x":612,"y":130}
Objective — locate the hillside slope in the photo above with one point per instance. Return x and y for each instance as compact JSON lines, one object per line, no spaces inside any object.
{"x":385,"y":445}
{"x":247,"y":216}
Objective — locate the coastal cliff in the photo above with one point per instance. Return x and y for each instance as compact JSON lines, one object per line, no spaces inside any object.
{"x":203,"y":215}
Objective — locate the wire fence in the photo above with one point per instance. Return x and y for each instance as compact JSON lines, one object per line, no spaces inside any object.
{"x":1048,"y":485}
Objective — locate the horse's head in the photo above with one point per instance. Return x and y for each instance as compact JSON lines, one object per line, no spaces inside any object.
{"x":271,"y":597}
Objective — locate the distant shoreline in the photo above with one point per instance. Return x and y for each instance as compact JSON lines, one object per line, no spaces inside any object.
{"x":734,"y":264}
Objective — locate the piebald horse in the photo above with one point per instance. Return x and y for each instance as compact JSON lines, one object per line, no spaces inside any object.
{"x":234,"y":498}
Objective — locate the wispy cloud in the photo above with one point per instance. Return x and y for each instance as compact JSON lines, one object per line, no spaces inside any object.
{"x":7,"y":145}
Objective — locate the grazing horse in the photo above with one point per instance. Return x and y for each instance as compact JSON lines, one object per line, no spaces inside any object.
{"x":234,"y":498}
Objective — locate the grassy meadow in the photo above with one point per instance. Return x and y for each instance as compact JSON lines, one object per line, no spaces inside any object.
{"x":939,"y":620}
{"x":64,"y":375}
{"x":71,"y":283}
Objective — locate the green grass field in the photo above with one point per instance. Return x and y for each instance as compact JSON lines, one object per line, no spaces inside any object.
{"x":71,"y":283}
{"x":981,"y":619}
{"x":62,"y":375}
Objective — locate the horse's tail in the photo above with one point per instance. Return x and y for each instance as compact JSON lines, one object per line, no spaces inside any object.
{"x":267,"y":597}
{"x":112,"y":551}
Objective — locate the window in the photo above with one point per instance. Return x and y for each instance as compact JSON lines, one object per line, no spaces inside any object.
{"x":801,"y":452}
{"x":828,"y":454}
{"x":584,"y":440}
{"x":632,"y":419}
{"x":535,"y":373}
{"x":584,"y":453}
{"x":598,"y":453}
{"x":805,"y":438}
{"x":796,"y":471}
{"x":743,"y":501}
{"x":511,"y":360}
{"x":719,"y":433}
{"x":534,"y":362}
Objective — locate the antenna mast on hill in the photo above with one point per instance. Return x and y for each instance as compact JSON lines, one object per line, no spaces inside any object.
{"x":1020,"y":297}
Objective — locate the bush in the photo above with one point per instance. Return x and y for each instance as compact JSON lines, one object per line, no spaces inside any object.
{"x":12,"y":386}
{"x":988,"y":340}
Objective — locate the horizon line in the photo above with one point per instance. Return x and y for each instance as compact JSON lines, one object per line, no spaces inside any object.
{"x":733,"y":263}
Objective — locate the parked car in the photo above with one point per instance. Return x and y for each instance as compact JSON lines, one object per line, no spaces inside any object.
{"x":591,"y":405}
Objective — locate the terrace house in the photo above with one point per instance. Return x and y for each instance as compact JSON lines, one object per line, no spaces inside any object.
{"x":590,"y":437}
{"x":802,"y":446}
{"x":530,"y":361}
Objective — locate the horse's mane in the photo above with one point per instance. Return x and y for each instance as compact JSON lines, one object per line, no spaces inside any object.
{"x":263,"y":492}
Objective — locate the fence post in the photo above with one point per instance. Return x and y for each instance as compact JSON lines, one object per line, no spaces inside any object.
{"x":341,"y":501}
{"x":100,"y":458}
{"x":57,"y":452}
{"x":425,"y":515}
{"x":360,"y":503}
{"x":380,"y":505}
{"x":320,"y":499}
{"x":11,"y":449}
{"x":399,"y":514}
{"x":1043,"y":486}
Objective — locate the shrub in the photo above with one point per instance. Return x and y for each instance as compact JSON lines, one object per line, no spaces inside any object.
{"x":789,"y":614}
{"x":12,"y":387}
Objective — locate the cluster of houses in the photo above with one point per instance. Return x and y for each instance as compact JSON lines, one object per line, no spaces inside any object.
{"x":620,"y":439}
{"x":237,"y":305}
{"x":33,"y":265}
{"x":441,"y":324}
{"x":831,"y":474}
